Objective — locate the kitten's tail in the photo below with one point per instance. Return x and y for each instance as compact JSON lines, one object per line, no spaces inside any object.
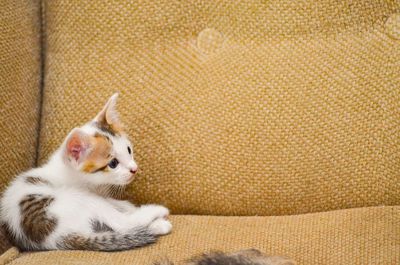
{"x":108,"y":241}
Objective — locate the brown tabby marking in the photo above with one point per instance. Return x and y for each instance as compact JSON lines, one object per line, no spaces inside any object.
{"x":243,"y":257}
{"x":6,"y":238}
{"x":35,"y":222}
{"x":108,"y":128}
{"x":108,"y":241}
{"x":99,"y":157}
{"x":75,"y":241}
{"x":99,"y":227}
{"x":36,"y":180}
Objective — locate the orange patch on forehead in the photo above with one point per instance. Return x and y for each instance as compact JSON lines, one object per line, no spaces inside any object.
{"x":99,"y":155}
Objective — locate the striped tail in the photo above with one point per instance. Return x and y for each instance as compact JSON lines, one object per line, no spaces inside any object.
{"x":108,"y":241}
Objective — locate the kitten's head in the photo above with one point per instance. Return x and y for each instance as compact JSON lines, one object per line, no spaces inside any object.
{"x":101,"y":150}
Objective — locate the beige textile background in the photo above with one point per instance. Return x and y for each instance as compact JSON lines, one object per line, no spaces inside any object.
{"x":19,"y":86}
{"x":250,"y":108}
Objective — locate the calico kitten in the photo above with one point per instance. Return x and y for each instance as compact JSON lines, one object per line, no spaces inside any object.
{"x":243,"y":257}
{"x":56,"y":206}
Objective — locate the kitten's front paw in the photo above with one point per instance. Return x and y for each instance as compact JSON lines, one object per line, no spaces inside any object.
{"x":157,"y":211}
{"x":160,"y":227}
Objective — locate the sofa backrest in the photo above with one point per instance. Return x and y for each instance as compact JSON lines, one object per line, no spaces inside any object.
{"x":245,"y":108}
{"x":20,"y":75}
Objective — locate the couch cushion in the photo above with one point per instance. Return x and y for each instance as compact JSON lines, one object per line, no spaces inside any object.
{"x":19,"y":86}
{"x":249,"y":108}
{"x":355,"y":236}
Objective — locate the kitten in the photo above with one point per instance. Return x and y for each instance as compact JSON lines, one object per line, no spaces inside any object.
{"x":243,"y":257}
{"x":56,"y":206}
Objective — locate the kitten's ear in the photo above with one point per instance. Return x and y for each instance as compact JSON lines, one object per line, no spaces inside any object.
{"x":77,"y":145}
{"x":108,"y":117}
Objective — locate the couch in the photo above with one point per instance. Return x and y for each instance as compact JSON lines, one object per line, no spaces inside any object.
{"x":261,"y":124}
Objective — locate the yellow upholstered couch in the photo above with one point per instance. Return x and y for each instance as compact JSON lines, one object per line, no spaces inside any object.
{"x":265,"y":124}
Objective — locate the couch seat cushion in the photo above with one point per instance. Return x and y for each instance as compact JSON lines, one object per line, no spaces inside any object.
{"x":354,"y":236}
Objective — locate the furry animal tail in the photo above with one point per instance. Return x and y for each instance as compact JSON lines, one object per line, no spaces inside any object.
{"x":108,"y":241}
{"x":243,"y":257}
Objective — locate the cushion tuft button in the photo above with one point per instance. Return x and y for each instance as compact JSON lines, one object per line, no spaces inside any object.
{"x":209,"y":40}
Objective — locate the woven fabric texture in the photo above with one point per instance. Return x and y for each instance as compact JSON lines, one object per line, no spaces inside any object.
{"x":8,"y":256}
{"x":355,"y":236}
{"x":19,"y":86}
{"x":272,"y":108}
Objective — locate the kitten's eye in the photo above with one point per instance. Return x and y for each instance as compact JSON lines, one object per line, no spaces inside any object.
{"x":113,"y":163}
{"x":129,"y":150}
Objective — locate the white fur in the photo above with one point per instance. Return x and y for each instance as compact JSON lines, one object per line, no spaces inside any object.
{"x":75,"y":205}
